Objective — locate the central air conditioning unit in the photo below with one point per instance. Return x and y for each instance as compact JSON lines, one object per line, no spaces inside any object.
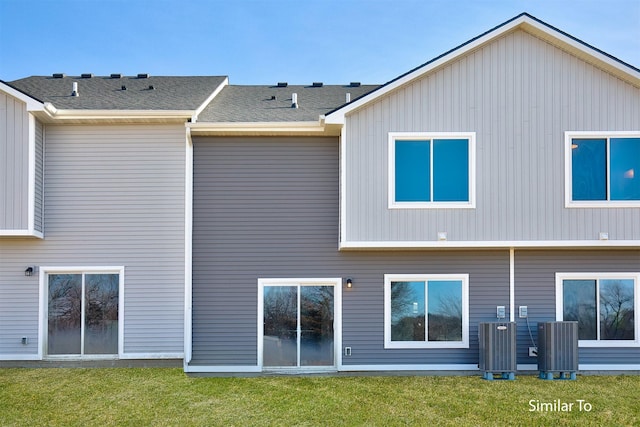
{"x":497,"y":345}
{"x":558,"y":349}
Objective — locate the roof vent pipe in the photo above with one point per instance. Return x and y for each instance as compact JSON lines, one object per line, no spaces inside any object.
{"x":294,"y":100}
{"x":75,"y":89}
{"x":348,"y":98}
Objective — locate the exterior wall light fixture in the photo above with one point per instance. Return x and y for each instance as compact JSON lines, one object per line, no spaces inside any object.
{"x":28,"y":272}
{"x":349,"y":283}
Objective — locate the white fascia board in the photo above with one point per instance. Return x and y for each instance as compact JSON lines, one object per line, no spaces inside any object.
{"x":257,"y":128}
{"x":32,"y":104}
{"x":60,"y":114}
{"x":522,"y":244}
{"x":194,"y":117}
{"x":527,"y":23}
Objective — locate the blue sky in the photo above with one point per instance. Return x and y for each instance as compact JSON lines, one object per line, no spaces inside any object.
{"x":266,"y":41}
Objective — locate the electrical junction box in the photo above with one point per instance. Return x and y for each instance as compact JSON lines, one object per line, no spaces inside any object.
{"x":523,"y":311}
{"x":501,"y":312}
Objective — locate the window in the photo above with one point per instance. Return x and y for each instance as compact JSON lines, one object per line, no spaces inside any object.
{"x":603,"y":170}
{"x":83,"y":312}
{"x":432,"y":170}
{"x":426,"y":311}
{"x":603,"y":304}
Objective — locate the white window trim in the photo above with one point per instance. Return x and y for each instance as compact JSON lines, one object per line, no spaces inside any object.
{"x":569,"y":136}
{"x":409,"y":136}
{"x":44,"y":310}
{"x":388,"y":278}
{"x":560,"y":277}
{"x":337,"y":320}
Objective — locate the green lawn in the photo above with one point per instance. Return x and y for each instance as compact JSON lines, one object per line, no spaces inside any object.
{"x":167,"y":397}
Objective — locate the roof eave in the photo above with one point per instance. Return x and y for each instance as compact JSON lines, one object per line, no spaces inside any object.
{"x":52,"y":114}
{"x":302,"y":128}
{"x":523,"y":21}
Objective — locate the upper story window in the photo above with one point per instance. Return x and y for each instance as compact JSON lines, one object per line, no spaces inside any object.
{"x":602,"y":169}
{"x":426,"y":311}
{"x":431,"y":170}
{"x":603,"y":304}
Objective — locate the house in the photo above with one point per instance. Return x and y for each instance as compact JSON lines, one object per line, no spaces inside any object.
{"x":327,"y":228}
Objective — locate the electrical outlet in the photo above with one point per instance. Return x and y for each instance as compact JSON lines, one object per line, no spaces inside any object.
{"x":523,"y":311}
{"x":533,"y":351}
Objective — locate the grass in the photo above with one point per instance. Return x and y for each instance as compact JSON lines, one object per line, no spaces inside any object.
{"x":167,"y":397}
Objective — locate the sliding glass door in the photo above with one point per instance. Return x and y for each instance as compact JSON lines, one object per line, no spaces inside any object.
{"x":298,"y":325}
{"x":82,"y":315}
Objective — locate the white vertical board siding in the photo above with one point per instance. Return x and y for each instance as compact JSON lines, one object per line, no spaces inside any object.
{"x":519,"y":94}
{"x":14,"y":163}
{"x":114,"y":196}
{"x":39,"y":179}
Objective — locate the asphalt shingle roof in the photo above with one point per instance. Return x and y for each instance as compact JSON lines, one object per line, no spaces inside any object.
{"x":106,"y":93}
{"x":273,"y":103}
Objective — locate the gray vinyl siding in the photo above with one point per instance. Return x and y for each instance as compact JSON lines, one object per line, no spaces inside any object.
{"x":519,"y":94}
{"x":535,"y":287}
{"x":39,"y":177}
{"x":114,"y":197}
{"x":268,"y":208}
{"x":14,"y":163}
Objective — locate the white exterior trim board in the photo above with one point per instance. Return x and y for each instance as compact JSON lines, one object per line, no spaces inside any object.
{"x":188,"y":248}
{"x":497,"y":244}
{"x":425,"y":367}
{"x":85,"y":115}
{"x":260,"y":128}
{"x":610,"y":367}
{"x":10,"y":357}
{"x":222,"y":369}
{"x":130,"y":356}
{"x":21,"y":233}
{"x":196,"y":113}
